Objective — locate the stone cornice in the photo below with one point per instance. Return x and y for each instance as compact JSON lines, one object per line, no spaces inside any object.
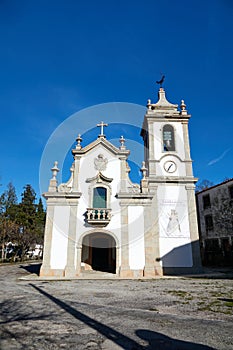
{"x":165,"y":118}
{"x":170,"y":154}
{"x":133,"y":195}
{"x":172,"y":179}
{"x":62,"y":195}
{"x":143,"y":199}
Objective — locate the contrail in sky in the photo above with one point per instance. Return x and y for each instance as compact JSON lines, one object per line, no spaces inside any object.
{"x":219,"y":158}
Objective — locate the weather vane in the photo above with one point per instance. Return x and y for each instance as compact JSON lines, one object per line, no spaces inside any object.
{"x":160,"y":82}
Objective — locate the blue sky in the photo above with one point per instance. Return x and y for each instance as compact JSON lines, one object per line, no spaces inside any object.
{"x":59,"y":57}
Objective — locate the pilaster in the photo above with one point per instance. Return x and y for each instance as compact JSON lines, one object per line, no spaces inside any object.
{"x":194,"y":236}
{"x":123,"y":174}
{"x":46,"y":267}
{"x":78,"y":260}
{"x":151,"y":238}
{"x":76,"y":172}
{"x":124,"y":268}
{"x":188,"y":163}
{"x":151,"y":155}
{"x":70,"y":265}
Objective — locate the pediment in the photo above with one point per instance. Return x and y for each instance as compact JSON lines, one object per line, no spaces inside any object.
{"x":104,"y":143}
{"x":99,"y":178}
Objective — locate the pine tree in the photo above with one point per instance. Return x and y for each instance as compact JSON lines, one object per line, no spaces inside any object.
{"x":40,"y":221}
{"x":23,"y":223}
{"x":26,"y":219}
{"x":8,"y":226}
{"x":8,"y":199}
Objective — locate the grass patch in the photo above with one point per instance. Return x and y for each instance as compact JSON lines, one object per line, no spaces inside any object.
{"x":181,"y":294}
{"x":217,"y":294}
{"x":178,"y":293}
{"x":229,"y":303}
{"x":217,"y":307}
{"x":210,"y":306}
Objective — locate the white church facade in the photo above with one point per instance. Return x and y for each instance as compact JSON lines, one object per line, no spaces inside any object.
{"x":100,"y":220}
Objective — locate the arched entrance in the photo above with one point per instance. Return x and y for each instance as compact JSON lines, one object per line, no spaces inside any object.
{"x":99,"y":252}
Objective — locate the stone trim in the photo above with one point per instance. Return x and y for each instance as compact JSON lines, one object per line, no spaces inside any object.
{"x":193,"y":226}
{"x":173,"y":179}
{"x":188,"y":165}
{"x":70,"y":262}
{"x":99,"y":178}
{"x":134,"y":199}
{"x":151,"y":239}
{"x":62,"y":195}
{"x":164,"y":117}
{"x":108,"y":145}
{"x":46,"y":267}
{"x":79,"y":248}
{"x":124,"y":267}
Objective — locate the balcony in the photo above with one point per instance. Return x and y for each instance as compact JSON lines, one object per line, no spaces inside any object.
{"x":98,"y":216}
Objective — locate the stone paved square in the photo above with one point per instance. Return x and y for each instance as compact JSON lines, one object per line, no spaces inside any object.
{"x":165,"y":313}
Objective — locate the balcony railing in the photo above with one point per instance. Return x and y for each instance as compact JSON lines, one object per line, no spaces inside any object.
{"x":98,"y":216}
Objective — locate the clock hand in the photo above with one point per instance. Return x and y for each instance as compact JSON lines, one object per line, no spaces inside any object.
{"x":169,"y":167}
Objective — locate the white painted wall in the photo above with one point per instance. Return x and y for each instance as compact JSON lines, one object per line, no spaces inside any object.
{"x":60,"y":237}
{"x":176,"y":252}
{"x":175,"y":242}
{"x":136,"y":237}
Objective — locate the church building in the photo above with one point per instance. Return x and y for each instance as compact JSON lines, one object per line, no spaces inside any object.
{"x":100,"y":220}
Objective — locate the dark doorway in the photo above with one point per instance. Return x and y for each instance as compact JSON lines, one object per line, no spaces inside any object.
{"x":99,"y":252}
{"x":100,"y":259}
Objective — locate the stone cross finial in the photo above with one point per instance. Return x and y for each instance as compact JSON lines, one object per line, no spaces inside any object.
{"x":79,"y":140}
{"x":55,"y":170}
{"x":101,"y":125}
{"x":149,"y":103}
{"x":143,"y":170}
{"x":122,"y":142}
{"x":183,"y":107}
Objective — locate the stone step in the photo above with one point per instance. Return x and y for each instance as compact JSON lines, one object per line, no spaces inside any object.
{"x":97,"y":274}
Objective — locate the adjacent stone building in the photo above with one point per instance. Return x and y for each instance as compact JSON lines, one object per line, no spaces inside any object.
{"x":215,"y":220}
{"x":100,"y":220}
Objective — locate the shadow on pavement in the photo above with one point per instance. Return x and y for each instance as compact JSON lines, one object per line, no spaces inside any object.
{"x":32,"y":268}
{"x":156,"y":341}
{"x":226,"y":300}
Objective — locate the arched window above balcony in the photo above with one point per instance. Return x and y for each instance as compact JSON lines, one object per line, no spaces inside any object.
{"x":99,"y":210}
{"x":99,"y":197}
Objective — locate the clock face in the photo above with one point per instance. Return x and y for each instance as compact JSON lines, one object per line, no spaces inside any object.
{"x":170,"y":166}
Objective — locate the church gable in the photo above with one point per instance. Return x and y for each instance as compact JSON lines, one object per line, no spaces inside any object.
{"x":100,"y":156}
{"x":104,"y":143}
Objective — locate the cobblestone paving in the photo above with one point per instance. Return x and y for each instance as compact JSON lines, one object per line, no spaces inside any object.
{"x":160,"y":314}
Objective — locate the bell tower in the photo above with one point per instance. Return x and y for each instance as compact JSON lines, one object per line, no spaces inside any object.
{"x":173,"y":220}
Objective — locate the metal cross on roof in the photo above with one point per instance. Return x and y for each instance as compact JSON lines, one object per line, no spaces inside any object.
{"x":101,"y":125}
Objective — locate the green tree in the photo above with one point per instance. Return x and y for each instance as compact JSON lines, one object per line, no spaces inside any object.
{"x":8,"y":225}
{"x":23,"y":223}
{"x":8,"y":199}
{"x":26,"y":219}
{"x":40,"y":221}
{"x":27,"y":208}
